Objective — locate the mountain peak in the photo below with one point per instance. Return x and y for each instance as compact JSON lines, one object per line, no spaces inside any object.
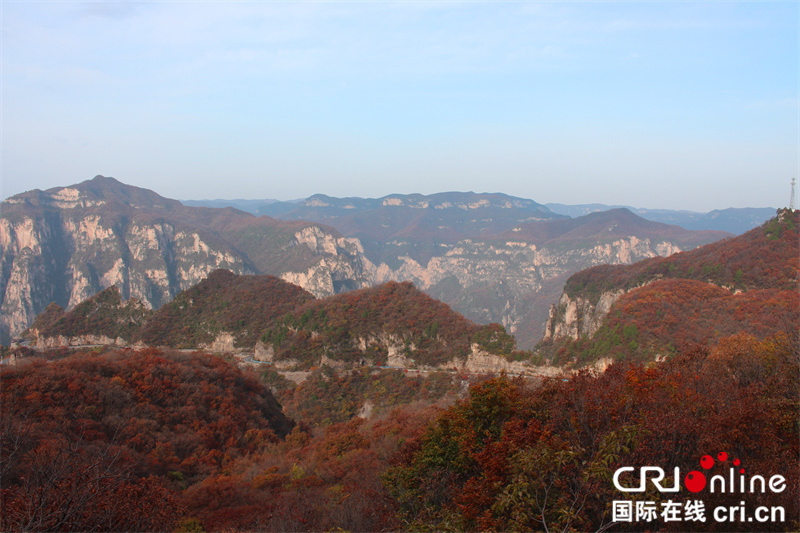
{"x":108,"y":189}
{"x":100,"y":178}
{"x":97,"y":191}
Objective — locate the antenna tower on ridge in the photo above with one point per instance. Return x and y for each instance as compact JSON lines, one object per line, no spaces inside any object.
{"x":791,"y":199}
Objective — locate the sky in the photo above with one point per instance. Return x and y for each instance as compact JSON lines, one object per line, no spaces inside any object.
{"x":673,"y":105}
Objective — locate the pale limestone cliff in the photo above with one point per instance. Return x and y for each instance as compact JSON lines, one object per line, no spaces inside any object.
{"x":69,"y":259}
{"x":47,"y":343}
{"x":396,"y":354}
{"x":264,"y":352}
{"x":481,"y":362}
{"x":478,"y":361}
{"x":340,"y":266}
{"x":366,"y":410}
{"x":400,"y":355}
{"x":68,"y":256}
{"x":515,"y":270}
{"x":575,"y":318}
{"x":223,"y":343}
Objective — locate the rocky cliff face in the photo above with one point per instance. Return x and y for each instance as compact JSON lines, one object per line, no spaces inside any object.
{"x":47,"y":343}
{"x":70,"y":257}
{"x":65,"y":245}
{"x":496,"y":281}
{"x":661,"y":306}
{"x":578,"y":317}
{"x":340,"y":268}
{"x":734,"y":264}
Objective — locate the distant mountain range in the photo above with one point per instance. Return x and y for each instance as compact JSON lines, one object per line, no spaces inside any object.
{"x":491,"y":257}
{"x":732,"y":220}
{"x":251,"y":206}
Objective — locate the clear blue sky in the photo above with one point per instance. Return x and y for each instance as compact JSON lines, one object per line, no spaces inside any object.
{"x":677,"y":105}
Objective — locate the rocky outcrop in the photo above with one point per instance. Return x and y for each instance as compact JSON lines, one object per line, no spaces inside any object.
{"x":366,"y":410}
{"x":400,"y":355}
{"x":340,"y":268}
{"x":223,"y":343}
{"x":575,"y":318}
{"x":398,"y":350}
{"x":48,"y":343}
{"x":264,"y":352}
{"x":482,"y":362}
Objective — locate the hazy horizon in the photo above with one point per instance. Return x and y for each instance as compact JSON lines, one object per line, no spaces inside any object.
{"x":268,"y":200}
{"x":659,"y":105}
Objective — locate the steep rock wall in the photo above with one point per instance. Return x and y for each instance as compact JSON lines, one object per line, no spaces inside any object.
{"x":401,"y":355}
{"x":578,"y":317}
{"x":340,"y":267}
{"x":58,"y":246}
{"x":68,"y":259}
{"x":495,"y":281}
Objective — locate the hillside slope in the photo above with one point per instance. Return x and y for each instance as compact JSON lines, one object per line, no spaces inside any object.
{"x":236,"y":308}
{"x":392,"y":324}
{"x":109,"y":441}
{"x":747,"y":284}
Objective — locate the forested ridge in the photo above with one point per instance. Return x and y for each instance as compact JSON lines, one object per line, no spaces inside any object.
{"x":223,"y":302}
{"x":763,"y":258}
{"x":745,"y":284}
{"x":103,"y":314}
{"x":428,"y":330}
{"x":349,"y":327}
